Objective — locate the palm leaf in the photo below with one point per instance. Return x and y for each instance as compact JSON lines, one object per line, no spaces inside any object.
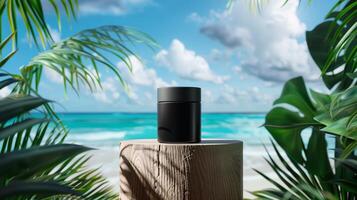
{"x":344,"y":39}
{"x":34,"y":159}
{"x":16,"y":127}
{"x":28,"y":189}
{"x":70,"y":58}
{"x":7,"y":82}
{"x":42,"y":158}
{"x":13,"y":106}
{"x":32,"y":15}
{"x":296,"y":182}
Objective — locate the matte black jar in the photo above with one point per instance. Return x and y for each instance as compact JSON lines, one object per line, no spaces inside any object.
{"x":179,"y":114}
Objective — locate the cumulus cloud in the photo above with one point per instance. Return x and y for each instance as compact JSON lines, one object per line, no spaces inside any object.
{"x":109,"y":92}
{"x":142,"y":75}
{"x":223,"y":56}
{"x":231,"y":95}
{"x":268,"y":44}
{"x":187,"y":64}
{"x":52,"y":75}
{"x":110,"y":7}
{"x":207,"y":96}
{"x":4,"y":92}
{"x":195,"y":17}
{"x":226,"y":35}
{"x":56,"y":35}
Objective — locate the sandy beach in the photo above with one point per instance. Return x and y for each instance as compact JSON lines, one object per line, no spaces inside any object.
{"x":108,"y":159}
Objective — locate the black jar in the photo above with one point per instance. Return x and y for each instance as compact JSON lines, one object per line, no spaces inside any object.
{"x":179,"y":114}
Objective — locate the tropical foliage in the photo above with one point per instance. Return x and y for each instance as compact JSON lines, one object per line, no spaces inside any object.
{"x":308,"y":170}
{"x":35,"y":161}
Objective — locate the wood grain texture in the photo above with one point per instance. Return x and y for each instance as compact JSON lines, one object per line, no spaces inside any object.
{"x":211,"y":169}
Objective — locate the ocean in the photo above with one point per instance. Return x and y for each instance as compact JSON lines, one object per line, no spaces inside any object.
{"x":106,"y":130}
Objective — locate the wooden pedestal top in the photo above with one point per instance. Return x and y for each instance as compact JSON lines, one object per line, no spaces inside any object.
{"x":206,"y":142}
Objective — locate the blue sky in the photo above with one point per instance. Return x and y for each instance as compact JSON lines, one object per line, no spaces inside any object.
{"x":239,"y":58}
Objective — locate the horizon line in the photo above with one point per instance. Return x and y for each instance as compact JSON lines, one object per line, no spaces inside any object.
{"x":119,"y":112}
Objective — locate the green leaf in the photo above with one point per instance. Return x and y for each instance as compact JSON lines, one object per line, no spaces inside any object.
{"x":295,"y":93}
{"x":350,"y":163}
{"x":16,"y":105}
{"x":341,"y":115}
{"x":350,"y":186}
{"x":4,"y":42}
{"x":286,"y":125}
{"x":7,"y":58}
{"x":344,"y":103}
{"x":32,"y":160}
{"x":19,"y":126}
{"x":339,"y":127}
{"x":348,"y":150}
{"x":319,"y":44}
{"x":32,"y":15}
{"x":44,"y":189}
{"x":318,"y":163}
{"x":69,"y":57}
{"x":7,"y":82}
{"x":288,"y":170}
{"x":352,"y":75}
{"x":322,"y":101}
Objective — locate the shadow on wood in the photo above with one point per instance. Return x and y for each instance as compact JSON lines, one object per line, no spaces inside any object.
{"x":208,"y":170}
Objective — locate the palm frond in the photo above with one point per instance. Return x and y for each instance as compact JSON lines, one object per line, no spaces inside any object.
{"x":33,"y":18}
{"x":295,"y":182}
{"x":33,"y":152}
{"x":28,"y":189}
{"x":88,"y":182}
{"x":343,"y":33}
{"x":78,"y":58}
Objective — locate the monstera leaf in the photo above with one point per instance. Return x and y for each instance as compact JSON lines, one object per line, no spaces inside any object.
{"x":321,"y":42}
{"x":286,"y":124}
{"x":308,"y":174}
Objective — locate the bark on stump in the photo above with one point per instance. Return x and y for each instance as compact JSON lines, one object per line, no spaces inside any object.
{"x":211,"y":169}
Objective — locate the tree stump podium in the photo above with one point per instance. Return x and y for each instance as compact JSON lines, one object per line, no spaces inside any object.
{"x":211,"y":169}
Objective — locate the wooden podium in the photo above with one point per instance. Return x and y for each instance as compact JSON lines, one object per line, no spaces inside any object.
{"x":212,"y":169}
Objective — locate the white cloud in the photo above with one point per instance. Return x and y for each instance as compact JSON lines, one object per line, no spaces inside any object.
{"x":268,"y":44}
{"x":207,"y":96}
{"x":52,"y":75}
{"x":195,"y":17}
{"x":133,"y":97}
{"x":55,"y":77}
{"x":4,"y":92}
{"x":109,"y":92}
{"x":56,"y":35}
{"x":228,"y":36}
{"x":237,"y":69}
{"x":221,"y":55}
{"x":231,"y":95}
{"x":187,"y":64}
{"x":142,"y":75}
{"x":110,"y":7}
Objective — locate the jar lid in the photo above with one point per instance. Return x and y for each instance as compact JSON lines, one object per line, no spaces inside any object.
{"x":179,"y":94}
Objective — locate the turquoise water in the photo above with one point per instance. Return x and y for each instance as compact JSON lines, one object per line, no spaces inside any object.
{"x":108,"y":129}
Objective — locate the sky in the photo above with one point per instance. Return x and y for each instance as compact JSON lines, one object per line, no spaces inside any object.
{"x":239,"y":57}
